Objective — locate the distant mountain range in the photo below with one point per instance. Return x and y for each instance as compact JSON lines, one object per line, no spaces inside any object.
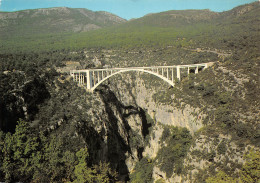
{"x":54,"y":20}
{"x":68,"y":28}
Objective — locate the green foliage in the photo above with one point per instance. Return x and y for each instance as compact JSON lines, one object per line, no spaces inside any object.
{"x":142,"y":172}
{"x":160,"y":181}
{"x":53,"y":154}
{"x":222,"y":148}
{"x":19,"y":151}
{"x":251,"y":169}
{"x":221,"y":177}
{"x":25,"y":147}
{"x":100,"y":173}
{"x":249,"y":173}
{"x":7,"y":166}
{"x":2,"y":142}
{"x":135,"y":140}
{"x":105,"y":173}
{"x":170,"y":157}
{"x":82,"y":172}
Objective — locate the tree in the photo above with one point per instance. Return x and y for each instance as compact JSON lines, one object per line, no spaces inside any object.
{"x":53,"y":156}
{"x":82,"y":172}
{"x":2,"y":142}
{"x":18,"y":151}
{"x":8,"y":166}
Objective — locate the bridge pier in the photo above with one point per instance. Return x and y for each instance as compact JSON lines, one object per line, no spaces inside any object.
{"x":172,"y":76}
{"x":178,"y":72}
{"x":89,"y":80}
{"x":197,"y":70}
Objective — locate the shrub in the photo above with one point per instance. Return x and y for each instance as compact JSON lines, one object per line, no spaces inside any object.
{"x":143,"y":171}
{"x":170,"y":157}
{"x":222,"y":148}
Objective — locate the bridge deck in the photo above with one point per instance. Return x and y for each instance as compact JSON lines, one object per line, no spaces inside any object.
{"x":140,"y":68}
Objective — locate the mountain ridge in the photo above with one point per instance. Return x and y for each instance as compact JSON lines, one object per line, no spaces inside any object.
{"x":80,"y":29}
{"x":55,"y":20}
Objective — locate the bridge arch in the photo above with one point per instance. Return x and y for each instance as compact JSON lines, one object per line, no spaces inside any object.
{"x":129,"y":70}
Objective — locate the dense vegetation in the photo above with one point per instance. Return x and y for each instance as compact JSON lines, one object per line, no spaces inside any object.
{"x":27,"y":156}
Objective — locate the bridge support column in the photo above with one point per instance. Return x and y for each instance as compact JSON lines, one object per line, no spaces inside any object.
{"x":162,"y":72}
{"x":172,"y":75}
{"x":197,"y":70}
{"x":89,"y":80}
{"x":73,"y":75}
{"x":81,"y":82}
{"x":178,"y":72}
{"x":94,"y":78}
{"x":80,"y":79}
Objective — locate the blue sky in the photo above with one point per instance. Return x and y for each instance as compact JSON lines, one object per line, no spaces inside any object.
{"x":124,"y":8}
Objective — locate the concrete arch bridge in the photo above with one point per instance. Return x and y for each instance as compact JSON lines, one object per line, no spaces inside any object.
{"x":92,"y":78}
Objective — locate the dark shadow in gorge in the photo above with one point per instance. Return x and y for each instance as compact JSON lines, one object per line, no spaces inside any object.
{"x":118,"y":143}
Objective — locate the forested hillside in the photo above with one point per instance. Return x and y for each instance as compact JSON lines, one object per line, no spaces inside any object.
{"x":176,"y":28}
{"x":134,"y":127}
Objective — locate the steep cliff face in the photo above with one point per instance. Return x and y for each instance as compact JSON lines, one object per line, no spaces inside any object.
{"x":166,"y":114}
{"x":138,"y":93}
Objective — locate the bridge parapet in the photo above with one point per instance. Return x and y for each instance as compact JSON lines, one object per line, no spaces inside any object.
{"x":92,"y":78}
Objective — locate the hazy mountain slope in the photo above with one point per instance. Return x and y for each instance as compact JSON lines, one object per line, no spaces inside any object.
{"x":175,"y":18}
{"x":188,"y":28}
{"x":54,"y":20}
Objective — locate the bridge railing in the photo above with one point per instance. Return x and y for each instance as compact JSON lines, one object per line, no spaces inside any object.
{"x":139,"y":68}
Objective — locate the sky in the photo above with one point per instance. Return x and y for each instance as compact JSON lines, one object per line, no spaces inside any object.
{"x":127,"y":9}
